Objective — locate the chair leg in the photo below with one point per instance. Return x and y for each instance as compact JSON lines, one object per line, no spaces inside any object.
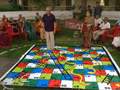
{"x":10,"y":39}
{"x":112,"y":39}
{"x":15,"y":37}
{"x":20,"y":36}
{"x":60,"y":33}
{"x":26,"y":36}
{"x":103,"y":38}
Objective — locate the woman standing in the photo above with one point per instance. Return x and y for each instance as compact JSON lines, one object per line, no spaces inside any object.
{"x":87,"y":29}
{"x":4,"y":41}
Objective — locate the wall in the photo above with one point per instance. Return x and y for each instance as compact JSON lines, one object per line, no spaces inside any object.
{"x":31,"y":14}
{"x":49,"y":2}
{"x":112,"y":15}
{"x":3,"y":2}
{"x":77,"y":4}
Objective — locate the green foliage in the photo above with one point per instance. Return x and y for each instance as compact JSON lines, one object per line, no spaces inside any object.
{"x":73,"y":7}
{"x":79,"y":8}
{"x":10,"y":7}
{"x":41,"y":4}
{"x":82,"y":15}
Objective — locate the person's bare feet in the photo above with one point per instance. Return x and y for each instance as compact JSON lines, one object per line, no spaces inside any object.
{"x":52,"y":48}
{"x":48,"y":49}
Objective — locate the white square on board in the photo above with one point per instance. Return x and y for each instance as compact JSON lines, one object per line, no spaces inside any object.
{"x":66,"y":84}
{"x":90,"y":78}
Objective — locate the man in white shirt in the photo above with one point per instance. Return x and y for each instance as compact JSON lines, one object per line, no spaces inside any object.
{"x":104,"y":26}
{"x":98,"y":21}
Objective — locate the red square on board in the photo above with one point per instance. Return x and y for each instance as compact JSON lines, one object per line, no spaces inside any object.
{"x":48,"y":70}
{"x":54,"y":83}
{"x":78,"y":55}
{"x":88,"y":62}
{"x":62,"y":58}
{"x":56,"y":51}
{"x":22,"y":65}
{"x":115,"y":86}
{"x":26,"y":75}
{"x":39,"y":53}
{"x":105,"y":59}
{"x":72,"y":50}
{"x":100,"y":72}
{"x":43,"y":61}
{"x":93,"y":52}
{"x":78,"y":78}
{"x":36,"y":48}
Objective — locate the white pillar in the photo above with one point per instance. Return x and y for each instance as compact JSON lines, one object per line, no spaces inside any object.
{"x":20,"y":2}
{"x":73,"y":2}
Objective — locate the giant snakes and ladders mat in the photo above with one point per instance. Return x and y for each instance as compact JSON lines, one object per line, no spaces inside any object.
{"x":65,"y":67}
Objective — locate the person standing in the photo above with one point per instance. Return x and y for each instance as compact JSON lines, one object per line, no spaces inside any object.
{"x":97,"y":10}
{"x":89,"y":9}
{"x":87,"y":29}
{"x":50,"y":26}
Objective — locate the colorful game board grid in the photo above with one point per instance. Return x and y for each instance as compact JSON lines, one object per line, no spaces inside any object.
{"x":38,"y":69}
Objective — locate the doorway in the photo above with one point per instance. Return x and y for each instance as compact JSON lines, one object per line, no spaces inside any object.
{"x":68,"y":4}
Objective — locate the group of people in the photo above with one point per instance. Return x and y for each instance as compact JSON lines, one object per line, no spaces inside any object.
{"x":45,"y":27}
{"x":90,"y":23}
{"x":21,"y":23}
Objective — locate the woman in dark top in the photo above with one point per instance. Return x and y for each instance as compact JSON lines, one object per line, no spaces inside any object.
{"x":31,"y":33}
{"x":12,"y":22}
{"x":4,"y":41}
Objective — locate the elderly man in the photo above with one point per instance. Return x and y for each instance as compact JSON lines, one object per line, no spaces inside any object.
{"x":50,"y":26}
{"x":105,"y":25}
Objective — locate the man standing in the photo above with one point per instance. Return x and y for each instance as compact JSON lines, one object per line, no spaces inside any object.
{"x":50,"y":26}
{"x":97,"y":10}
